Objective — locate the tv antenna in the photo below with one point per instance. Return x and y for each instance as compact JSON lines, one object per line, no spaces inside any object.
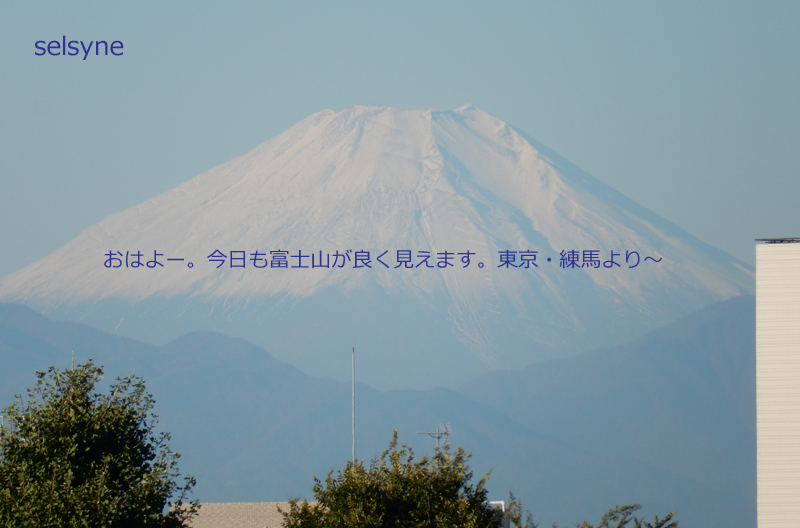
{"x":442,"y":432}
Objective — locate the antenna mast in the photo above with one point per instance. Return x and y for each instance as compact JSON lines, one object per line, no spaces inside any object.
{"x":442,"y":431}
{"x":353,"y":377}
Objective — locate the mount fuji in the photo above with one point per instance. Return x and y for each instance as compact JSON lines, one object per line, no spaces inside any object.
{"x":374,"y":180}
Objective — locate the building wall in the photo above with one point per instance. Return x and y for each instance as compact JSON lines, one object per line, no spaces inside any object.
{"x":240,"y":515}
{"x":778,"y":384}
{"x":258,"y":514}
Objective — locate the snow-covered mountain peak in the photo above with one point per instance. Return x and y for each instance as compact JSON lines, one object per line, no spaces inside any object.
{"x":385,"y":181}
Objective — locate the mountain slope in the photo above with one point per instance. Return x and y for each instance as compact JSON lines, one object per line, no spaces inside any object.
{"x":372,"y":179}
{"x":681,"y":398}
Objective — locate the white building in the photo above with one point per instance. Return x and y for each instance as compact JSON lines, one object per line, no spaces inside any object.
{"x":778,"y":381}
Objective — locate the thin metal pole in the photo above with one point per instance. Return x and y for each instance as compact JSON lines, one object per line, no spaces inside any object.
{"x":353,"y":375}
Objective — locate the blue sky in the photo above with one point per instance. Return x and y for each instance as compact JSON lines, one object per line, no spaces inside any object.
{"x":692,"y":109}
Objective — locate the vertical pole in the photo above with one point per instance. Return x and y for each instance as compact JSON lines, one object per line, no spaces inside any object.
{"x":353,"y":376}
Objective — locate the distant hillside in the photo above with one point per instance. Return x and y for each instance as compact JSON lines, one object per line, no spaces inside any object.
{"x":666,"y":421}
{"x":681,"y":398}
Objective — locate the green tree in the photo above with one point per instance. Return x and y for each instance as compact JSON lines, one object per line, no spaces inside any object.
{"x":394,"y":491}
{"x":619,"y":517}
{"x":397,"y":491}
{"x":73,"y":457}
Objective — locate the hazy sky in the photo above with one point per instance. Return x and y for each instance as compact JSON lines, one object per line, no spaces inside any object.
{"x":692,"y":109}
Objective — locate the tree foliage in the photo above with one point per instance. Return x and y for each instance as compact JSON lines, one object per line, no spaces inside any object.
{"x":397,"y":491}
{"x":618,"y":517}
{"x":622,"y":516}
{"x":73,"y":457}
